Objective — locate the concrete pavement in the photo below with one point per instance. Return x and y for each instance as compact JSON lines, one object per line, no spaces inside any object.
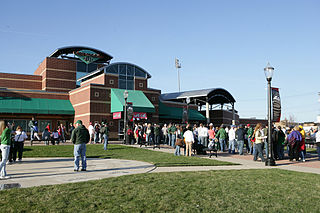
{"x":49,"y":171}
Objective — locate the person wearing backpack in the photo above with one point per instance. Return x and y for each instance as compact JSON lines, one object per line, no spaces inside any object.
{"x":80,"y":137}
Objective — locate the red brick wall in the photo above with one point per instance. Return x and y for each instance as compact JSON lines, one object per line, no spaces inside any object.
{"x":143,"y":81}
{"x":115,"y":81}
{"x":41,"y":67}
{"x":25,"y":94}
{"x":95,"y":80}
{"x":20,"y":81}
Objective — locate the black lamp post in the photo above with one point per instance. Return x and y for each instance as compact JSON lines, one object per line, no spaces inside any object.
{"x":268,"y":71}
{"x":125,"y":95}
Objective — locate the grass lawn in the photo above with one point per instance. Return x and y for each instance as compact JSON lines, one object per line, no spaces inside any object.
{"x":270,"y":190}
{"x":122,"y":152}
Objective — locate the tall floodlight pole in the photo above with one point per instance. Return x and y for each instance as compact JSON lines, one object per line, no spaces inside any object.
{"x":178,"y":66}
{"x":268,"y":71}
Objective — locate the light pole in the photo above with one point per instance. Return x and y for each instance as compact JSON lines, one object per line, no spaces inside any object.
{"x":188,"y":102}
{"x":268,"y":71}
{"x":178,"y":66}
{"x":125,"y":95}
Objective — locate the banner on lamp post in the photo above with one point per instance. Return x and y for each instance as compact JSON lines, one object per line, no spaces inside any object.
{"x":276,"y":105}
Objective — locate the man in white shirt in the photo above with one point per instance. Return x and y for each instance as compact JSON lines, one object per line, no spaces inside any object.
{"x":203,"y":135}
{"x":318,"y":142}
{"x":91,"y":132}
{"x":232,"y":138}
{"x":189,"y":139}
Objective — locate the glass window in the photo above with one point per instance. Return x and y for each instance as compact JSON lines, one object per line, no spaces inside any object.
{"x":81,"y":67}
{"x":139,"y":73}
{"x":130,"y":78}
{"x":130,"y":85}
{"x":122,"y":84}
{"x":121,"y":77}
{"x":112,"y":69}
{"x":122,"y":69}
{"x":92,"y":67}
{"x":130,"y":70}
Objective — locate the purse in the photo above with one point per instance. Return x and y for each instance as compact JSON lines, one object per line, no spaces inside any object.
{"x":179,"y":142}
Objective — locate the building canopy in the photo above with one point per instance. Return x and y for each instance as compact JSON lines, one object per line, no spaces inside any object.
{"x":35,"y":106}
{"x":140,"y":102}
{"x":200,"y":97}
{"x":167,"y":112}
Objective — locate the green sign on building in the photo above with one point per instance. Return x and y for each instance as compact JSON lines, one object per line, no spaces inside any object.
{"x":87,"y":56}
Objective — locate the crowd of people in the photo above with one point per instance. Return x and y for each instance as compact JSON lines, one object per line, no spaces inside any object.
{"x":194,"y":139}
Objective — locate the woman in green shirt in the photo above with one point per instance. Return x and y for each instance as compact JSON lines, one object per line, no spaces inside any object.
{"x":5,"y":136}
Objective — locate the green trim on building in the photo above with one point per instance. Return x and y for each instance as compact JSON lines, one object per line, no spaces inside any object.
{"x":35,"y":106}
{"x":138,"y":99}
{"x":167,"y":112}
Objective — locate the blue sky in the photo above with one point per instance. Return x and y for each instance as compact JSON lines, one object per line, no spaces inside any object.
{"x":219,"y":43}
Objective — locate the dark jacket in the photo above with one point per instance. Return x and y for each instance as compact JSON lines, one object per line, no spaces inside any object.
{"x":240,"y":134}
{"x":80,"y":135}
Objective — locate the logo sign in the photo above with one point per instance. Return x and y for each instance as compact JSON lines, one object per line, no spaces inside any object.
{"x":140,"y":115}
{"x":117,"y":115}
{"x":276,"y":105}
{"x":87,"y":56}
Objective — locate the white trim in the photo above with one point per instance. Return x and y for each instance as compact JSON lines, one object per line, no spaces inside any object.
{"x":56,"y":88}
{"x":84,"y":87}
{"x":19,"y":79}
{"x":86,"y":114}
{"x":18,"y":90}
{"x":59,"y":79}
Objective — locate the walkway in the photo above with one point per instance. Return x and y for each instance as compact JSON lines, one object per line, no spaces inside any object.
{"x":49,"y":171}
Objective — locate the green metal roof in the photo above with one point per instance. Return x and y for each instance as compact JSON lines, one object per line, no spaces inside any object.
{"x":35,"y":106}
{"x":176,"y":113}
{"x":139,"y":101}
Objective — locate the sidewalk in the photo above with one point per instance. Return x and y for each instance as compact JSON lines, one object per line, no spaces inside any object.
{"x":49,"y":171}
{"x":312,"y":165}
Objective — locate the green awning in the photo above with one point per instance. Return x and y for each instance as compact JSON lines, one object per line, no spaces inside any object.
{"x":35,"y":106}
{"x":167,"y":112}
{"x":138,"y":99}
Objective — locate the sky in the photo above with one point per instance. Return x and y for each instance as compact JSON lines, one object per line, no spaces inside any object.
{"x":220,"y":44}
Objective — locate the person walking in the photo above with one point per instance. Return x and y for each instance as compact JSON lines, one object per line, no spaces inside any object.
{"x":80,"y":137}
{"x":222,"y":135}
{"x":189,"y":139}
{"x":259,"y":139}
{"x":232,"y":138}
{"x":240,"y":136}
{"x":250,"y":144}
{"x":105,"y":131}
{"x":91,"y":132}
{"x":5,"y":136}
{"x":19,"y":139}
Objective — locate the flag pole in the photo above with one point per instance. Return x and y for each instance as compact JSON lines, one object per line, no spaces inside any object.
{"x":178,"y":66}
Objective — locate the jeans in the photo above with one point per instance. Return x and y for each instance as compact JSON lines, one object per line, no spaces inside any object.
{"x":266,"y":148}
{"x":31,"y":134}
{"x":222,"y":144}
{"x":5,"y":149}
{"x":280,"y":151}
{"x":240,"y":146}
{"x":258,"y":152}
{"x":250,"y":150}
{"x":169,"y":139}
{"x":231,"y":145}
{"x":173,"y":140}
{"x":96,"y":137}
{"x":18,"y":147}
{"x":177,"y":152}
{"x":80,"y":150}
{"x":203,"y":140}
{"x":105,"y":142}
{"x":157,"y":140}
{"x":302,"y":155}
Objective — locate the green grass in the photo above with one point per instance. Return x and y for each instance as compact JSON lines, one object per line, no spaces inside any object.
{"x":123,"y":152}
{"x":269,"y":190}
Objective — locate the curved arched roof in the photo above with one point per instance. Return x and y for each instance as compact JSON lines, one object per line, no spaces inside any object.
{"x":136,"y":68}
{"x":105,"y":57}
{"x":213,"y":96}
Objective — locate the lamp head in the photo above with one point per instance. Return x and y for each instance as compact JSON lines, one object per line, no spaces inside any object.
{"x":268,"y":71}
{"x":125,"y":94}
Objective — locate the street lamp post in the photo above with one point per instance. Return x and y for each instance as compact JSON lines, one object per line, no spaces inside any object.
{"x":268,"y":71}
{"x":125,"y":95}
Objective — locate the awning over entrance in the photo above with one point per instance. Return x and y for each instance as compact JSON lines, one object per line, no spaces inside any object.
{"x":140,"y":102}
{"x":167,"y":112}
{"x":35,"y":106}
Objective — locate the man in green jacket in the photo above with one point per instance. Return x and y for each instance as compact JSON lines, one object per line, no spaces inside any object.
{"x":222,"y":135}
{"x":80,"y":137}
